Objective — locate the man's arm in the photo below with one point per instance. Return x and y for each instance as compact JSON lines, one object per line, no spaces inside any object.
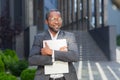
{"x":36,"y":57}
{"x":71,"y":55}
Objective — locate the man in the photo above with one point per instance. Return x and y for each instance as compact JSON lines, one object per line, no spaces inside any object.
{"x":41,"y":56}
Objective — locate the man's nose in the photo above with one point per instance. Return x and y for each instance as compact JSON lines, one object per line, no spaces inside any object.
{"x":56,"y":21}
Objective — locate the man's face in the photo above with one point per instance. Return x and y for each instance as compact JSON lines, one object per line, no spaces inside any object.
{"x":54,"y":21}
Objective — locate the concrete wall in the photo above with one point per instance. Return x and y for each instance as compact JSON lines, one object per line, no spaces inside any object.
{"x":19,"y":45}
{"x":105,"y":37}
{"x":29,"y":34}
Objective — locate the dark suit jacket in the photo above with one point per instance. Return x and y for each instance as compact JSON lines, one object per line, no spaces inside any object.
{"x":36,"y":59}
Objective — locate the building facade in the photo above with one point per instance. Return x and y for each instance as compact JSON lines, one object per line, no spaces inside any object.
{"x":27,"y":18}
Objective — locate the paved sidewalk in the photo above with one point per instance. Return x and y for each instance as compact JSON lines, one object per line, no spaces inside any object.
{"x":97,"y":69}
{"x":102,"y":70}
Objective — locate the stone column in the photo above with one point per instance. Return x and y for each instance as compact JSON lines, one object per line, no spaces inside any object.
{"x":29,"y":12}
{"x":27,"y":22}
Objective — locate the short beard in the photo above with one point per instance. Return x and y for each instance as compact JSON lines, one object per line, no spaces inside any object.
{"x":53,"y":30}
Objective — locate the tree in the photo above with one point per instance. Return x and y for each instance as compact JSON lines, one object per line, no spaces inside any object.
{"x":116,"y":3}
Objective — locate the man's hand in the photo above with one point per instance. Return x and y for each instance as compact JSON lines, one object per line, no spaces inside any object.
{"x":64,"y":48}
{"x":46,"y":50}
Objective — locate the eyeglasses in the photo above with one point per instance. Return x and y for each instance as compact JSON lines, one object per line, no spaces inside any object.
{"x":55,"y":19}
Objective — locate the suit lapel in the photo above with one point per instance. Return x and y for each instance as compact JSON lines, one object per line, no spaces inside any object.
{"x":61,"y":35}
{"x":47,"y":35}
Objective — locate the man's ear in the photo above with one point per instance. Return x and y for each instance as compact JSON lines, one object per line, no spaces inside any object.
{"x":46,"y":22}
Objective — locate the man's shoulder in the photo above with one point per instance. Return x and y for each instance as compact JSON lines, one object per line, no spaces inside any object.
{"x":40,"y":34}
{"x":68,"y":32}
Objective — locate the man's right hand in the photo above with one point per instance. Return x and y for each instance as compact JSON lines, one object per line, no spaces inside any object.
{"x":64,"y":48}
{"x":46,"y":50}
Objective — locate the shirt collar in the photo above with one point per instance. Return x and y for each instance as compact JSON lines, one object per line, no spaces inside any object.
{"x":55,"y":37}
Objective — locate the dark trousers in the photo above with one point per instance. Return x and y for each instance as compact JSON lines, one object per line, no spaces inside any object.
{"x":62,"y":78}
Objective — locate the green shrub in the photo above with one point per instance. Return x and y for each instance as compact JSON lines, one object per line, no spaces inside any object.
{"x":28,"y":74}
{"x":18,"y":67}
{"x":1,"y":52}
{"x":2,"y":68}
{"x":9,"y":57}
{"x":118,"y":40}
{"x":11,"y":53}
{"x":12,"y":63}
{"x":4,"y":76}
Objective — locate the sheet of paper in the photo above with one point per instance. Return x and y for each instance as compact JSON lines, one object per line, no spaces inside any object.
{"x":55,"y":44}
{"x":58,"y":66}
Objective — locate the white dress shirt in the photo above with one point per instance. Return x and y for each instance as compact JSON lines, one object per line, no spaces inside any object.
{"x":53,"y":58}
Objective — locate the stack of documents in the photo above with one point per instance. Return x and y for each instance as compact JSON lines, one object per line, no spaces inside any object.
{"x":58,"y":66}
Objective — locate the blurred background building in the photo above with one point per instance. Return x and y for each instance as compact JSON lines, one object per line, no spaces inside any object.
{"x":20,"y":20}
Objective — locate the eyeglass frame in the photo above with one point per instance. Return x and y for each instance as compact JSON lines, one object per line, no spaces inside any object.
{"x":55,"y":19}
